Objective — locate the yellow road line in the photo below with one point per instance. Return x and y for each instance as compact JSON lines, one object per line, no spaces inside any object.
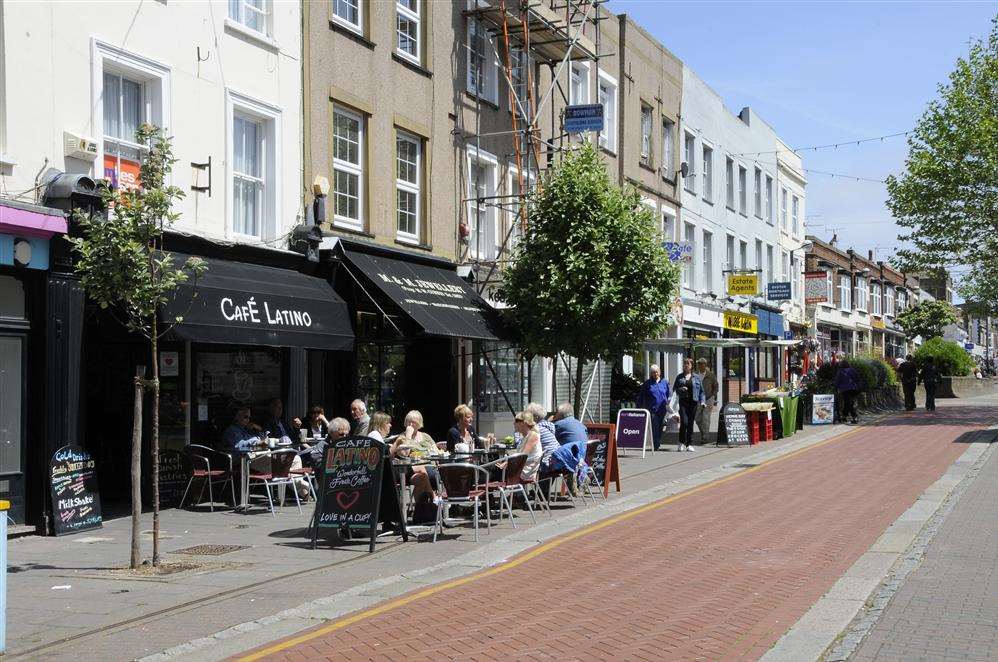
{"x":341,"y":623}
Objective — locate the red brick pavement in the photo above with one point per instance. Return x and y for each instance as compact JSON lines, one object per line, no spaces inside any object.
{"x":719,"y":574}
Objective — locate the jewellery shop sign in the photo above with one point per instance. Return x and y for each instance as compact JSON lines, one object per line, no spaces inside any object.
{"x":743,"y":322}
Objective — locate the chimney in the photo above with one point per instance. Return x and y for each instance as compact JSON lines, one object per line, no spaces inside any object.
{"x":870,"y":254}
{"x":835,"y":238}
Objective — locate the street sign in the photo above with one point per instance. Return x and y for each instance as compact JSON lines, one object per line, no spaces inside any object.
{"x":743,"y":284}
{"x":634,"y":429}
{"x":816,"y":287}
{"x":743,"y":322}
{"x":679,"y":251}
{"x":778,"y":291}
{"x":788,"y":335}
{"x":588,"y":117}
{"x":968,"y":346}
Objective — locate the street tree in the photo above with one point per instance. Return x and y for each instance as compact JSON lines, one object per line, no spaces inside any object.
{"x":589,"y":276}
{"x":124,"y":270}
{"x":927,"y":319}
{"x":948,"y":197}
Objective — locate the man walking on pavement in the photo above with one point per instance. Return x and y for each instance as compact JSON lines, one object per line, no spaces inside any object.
{"x":654,"y":396}
{"x":847,"y":384}
{"x":709,"y":383}
{"x":908,"y":372}
{"x":930,"y":377}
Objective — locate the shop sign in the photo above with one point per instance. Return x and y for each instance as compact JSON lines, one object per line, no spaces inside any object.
{"x":75,"y":497}
{"x":878,"y":323}
{"x":743,"y":284}
{"x":679,"y":251}
{"x":822,"y":409}
{"x":260,"y":312}
{"x":122,"y":173}
{"x":778,"y":291}
{"x":816,"y":287}
{"x":743,"y":322}
{"x":169,"y":364}
{"x":584,"y":117}
{"x":634,"y":429}
{"x":969,"y":346}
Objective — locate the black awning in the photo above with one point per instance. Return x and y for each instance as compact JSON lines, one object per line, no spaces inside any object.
{"x":247,"y":304}
{"x":435,"y":298}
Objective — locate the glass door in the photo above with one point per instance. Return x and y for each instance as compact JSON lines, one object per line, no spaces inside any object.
{"x":11,"y":423}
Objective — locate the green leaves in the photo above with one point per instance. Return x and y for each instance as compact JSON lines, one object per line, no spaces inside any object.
{"x":589,"y":277}
{"x":119,"y":259}
{"x":927,"y":319}
{"x":948,"y":198}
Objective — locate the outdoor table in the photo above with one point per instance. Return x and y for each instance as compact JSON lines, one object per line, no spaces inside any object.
{"x":786,"y":408}
{"x":245,"y":457}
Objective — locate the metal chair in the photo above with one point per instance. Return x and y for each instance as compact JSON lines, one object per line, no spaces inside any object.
{"x":590,"y":472}
{"x":202,"y":458}
{"x":511,"y":483}
{"x":280,"y":477}
{"x":463,"y":484}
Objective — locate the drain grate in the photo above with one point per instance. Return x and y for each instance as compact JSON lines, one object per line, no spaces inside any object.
{"x":210,"y":550}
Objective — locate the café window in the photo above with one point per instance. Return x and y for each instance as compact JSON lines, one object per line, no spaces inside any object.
{"x":511,"y":380}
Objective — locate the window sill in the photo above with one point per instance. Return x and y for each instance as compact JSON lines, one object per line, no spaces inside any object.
{"x":336,"y":227}
{"x":743,"y":214}
{"x":708,"y":202}
{"x":7,"y":161}
{"x":488,"y":102}
{"x":409,"y":64}
{"x":237,"y":29}
{"x":608,"y":151}
{"x":336,"y":26}
{"x":409,"y":243}
{"x":667,"y":179}
{"x":690,"y":191}
{"x":647,"y":166}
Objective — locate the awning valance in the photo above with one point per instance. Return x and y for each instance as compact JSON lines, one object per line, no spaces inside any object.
{"x":248,"y":304}
{"x":433,"y":297}
{"x":679,"y":344}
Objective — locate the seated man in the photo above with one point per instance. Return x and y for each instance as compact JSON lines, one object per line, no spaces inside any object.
{"x":243,"y":434}
{"x":361,"y":420}
{"x":567,"y":428}
{"x":312,"y":455}
{"x":276,"y":426}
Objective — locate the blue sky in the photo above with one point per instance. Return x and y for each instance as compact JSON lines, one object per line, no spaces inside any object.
{"x":822,"y":73}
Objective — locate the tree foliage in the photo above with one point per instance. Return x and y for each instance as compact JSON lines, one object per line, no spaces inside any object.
{"x":949,"y":357}
{"x":123,"y":269}
{"x":589,"y":277}
{"x":927,"y":319}
{"x":948,"y":197}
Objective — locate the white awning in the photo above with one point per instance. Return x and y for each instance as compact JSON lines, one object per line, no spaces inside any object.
{"x":678,"y":344}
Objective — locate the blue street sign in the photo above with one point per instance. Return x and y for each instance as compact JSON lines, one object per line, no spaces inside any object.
{"x":969,"y":346}
{"x":788,"y":335}
{"x":778,"y":291}
{"x":579,"y":119}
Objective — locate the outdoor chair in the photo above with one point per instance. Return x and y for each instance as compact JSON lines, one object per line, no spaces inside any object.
{"x":308,"y":474}
{"x":210,"y":466}
{"x":591,"y":476}
{"x":463,"y":484}
{"x":279,"y":477}
{"x":511,"y":484}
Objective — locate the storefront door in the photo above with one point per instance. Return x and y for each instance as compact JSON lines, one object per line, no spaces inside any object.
{"x":12,"y":400}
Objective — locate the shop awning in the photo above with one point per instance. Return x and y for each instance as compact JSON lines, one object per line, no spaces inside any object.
{"x":247,"y":304}
{"x":678,"y":344}
{"x":433,"y":297}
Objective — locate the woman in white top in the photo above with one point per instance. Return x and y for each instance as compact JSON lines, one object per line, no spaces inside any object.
{"x":531,"y":444}
{"x":381,"y":426}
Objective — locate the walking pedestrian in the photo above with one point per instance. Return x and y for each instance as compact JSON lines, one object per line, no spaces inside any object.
{"x":930,"y":378}
{"x":689,"y":393}
{"x":908,"y":372}
{"x":654,"y":396}
{"x":709,"y":382}
{"x":847,"y":384}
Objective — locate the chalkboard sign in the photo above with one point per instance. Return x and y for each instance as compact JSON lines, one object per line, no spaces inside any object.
{"x":604,"y":459}
{"x":356,"y":488}
{"x":75,"y":499}
{"x":734,"y":425}
{"x":174,"y":474}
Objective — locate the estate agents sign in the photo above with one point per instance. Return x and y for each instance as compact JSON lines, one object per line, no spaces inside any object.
{"x":747,"y":284}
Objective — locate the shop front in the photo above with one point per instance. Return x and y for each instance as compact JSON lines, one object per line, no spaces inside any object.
{"x":425,"y":337}
{"x":768,"y":361}
{"x":736,"y":360}
{"x":25,"y":234}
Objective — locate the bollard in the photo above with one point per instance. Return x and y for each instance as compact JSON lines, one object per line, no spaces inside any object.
{"x":4,"y":507}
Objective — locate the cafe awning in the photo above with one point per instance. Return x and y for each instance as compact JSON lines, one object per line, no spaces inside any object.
{"x":248,"y":304}
{"x":435,"y":298}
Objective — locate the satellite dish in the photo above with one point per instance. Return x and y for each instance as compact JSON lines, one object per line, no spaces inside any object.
{"x":684,"y":169}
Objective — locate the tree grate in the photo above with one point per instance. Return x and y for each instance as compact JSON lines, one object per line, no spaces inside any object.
{"x":210,"y":550}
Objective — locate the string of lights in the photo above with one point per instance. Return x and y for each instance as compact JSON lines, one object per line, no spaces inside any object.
{"x":833,"y":175}
{"x":814,"y":148}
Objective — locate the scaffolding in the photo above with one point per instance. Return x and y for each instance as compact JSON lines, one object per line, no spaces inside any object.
{"x":523,"y":36}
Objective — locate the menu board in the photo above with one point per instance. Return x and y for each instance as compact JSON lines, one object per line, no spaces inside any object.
{"x":734,"y":425}
{"x":352,"y":488}
{"x":75,"y":498}
{"x":604,"y":457}
{"x":174,"y":475}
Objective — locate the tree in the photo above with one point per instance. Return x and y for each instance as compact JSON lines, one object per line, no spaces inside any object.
{"x":124,"y":270}
{"x":927,"y":319}
{"x":948,"y":198}
{"x":589,"y":277}
{"x":949,"y":357}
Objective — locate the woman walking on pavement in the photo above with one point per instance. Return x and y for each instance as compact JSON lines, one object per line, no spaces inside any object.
{"x":847,"y":384}
{"x":689,"y":392}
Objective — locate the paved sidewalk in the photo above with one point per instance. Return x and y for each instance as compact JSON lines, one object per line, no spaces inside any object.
{"x":720,"y":571}
{"x":947,"y":609}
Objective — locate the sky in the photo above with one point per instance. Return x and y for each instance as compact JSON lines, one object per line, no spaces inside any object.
{"x":826,"y":72}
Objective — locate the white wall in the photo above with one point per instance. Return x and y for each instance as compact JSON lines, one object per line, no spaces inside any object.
{"x":54,"y":53}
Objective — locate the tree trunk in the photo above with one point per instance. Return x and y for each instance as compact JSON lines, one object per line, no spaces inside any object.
{"x":136,"y":556}
{"x":577,"y":395}
{"x":155,"y":442}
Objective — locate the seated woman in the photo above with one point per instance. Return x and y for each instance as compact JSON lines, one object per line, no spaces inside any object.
{"x":530,"y":444}
{"x":462,"y":432}
{"x":316,"y":426}
{"x":414,"y":442}
{"x":381,"y":426}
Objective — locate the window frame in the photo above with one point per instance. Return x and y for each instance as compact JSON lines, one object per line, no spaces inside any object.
{"x":647,"y":134}
{"x":795,"y":215}
{"x":862,"y":294}
{"x":262,"y":153}
{"x":783,"y":208}
{"x":889,"y":301}
{"x":405,"y":13}
{"x":668,"y":147}
{"x":357,"y":169}
{"x":269,"y":118}
{"x":405,"y":186}
{"x":689,"y":270}
{"x":845,"y":292}
{"x":875,"y":299}
{"x":357,"y":27}
{"x":768,"y":202}
{"x":243,"y":5}
{"x":757,"y":194}
{"x":729,"y":175}
{"x":707,"y":277}
{"x":490,"y":163}
{"x":586,"y":70}
{"x":512,"y":179}
{"x":608,"y":137}
{"x":729,"y":252}
{"x":743,"y":190}
{"x":490,"y":70}
{"x":689,"y":154}
{"x":707,"y":158}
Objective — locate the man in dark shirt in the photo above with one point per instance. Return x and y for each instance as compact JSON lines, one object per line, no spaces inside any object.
{"x":276,"y":426}
{"x":567,"y":428}
{"x":908,"y":372}
{"x":930,"y":378}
